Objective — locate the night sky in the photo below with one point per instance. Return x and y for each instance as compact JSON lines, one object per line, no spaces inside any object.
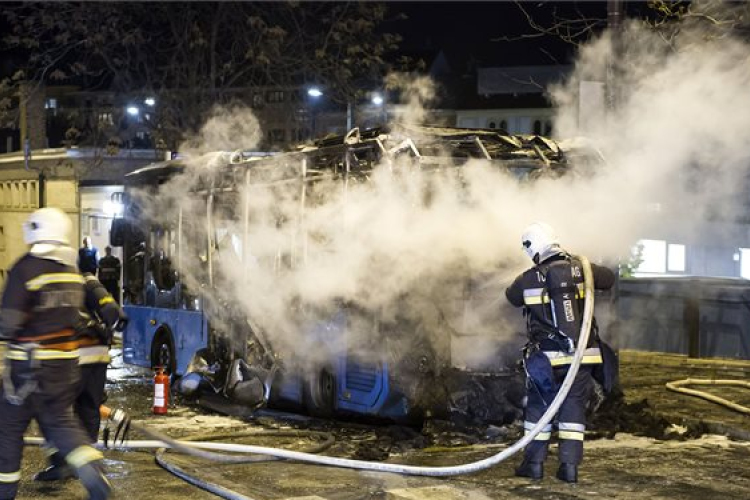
{"x":470,"y":27}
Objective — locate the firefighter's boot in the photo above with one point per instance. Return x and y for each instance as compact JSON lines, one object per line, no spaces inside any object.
{"x":58,"y":470}
{"x":93,"y":479}
{"x":532,"y":470}
{"x":567,"y":473}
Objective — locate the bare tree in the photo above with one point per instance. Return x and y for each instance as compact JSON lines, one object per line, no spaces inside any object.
{"x":577,"y":22}
{"x":192,"y":56}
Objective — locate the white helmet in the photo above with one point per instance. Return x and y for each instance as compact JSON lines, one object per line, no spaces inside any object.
{"x":537,"y":240}
{"x":47,"y":225}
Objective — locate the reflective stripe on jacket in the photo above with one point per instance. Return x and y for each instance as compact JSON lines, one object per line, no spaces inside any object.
{"x":591,"y":356}
{"x":41,"y":301}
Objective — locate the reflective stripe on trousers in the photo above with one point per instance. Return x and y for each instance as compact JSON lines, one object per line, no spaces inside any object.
{"x":571,"y":418}
{"x":52,"y":407}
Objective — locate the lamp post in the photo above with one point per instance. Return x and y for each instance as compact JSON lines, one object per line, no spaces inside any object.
{"x":315,"y":94}
{"x":378,"y":100}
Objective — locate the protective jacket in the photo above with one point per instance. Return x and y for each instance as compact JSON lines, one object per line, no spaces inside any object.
{"x":43,"y":294}
{"x":98,"y":319}
{"x":553,"y":295}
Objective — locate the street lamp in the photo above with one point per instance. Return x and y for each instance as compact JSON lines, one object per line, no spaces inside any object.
{"x":149,"y":101}
{"x":315,"y":94}
{"x":132,"y":110}
{"x":378,"y":100}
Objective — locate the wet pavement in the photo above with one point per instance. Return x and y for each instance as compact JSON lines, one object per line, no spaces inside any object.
{"x":687,"y":461}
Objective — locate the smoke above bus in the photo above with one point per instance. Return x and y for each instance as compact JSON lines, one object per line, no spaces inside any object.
{"x":675,"y":152}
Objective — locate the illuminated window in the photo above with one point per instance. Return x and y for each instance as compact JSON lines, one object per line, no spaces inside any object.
{"x":745,"y":263}
{"x":676,"y":258}
{"x":659,"y":257}
{"x":275,"y":96}
{"x":654,"y":256}
{"x":106,"y":119}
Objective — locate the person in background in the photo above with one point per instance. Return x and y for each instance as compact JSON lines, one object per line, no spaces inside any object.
{"x":552,"y":295}
{"x":109,"y":273}
{"x":40,"y":311}
{"x":88,"y":257}
{"x":135,"y":272}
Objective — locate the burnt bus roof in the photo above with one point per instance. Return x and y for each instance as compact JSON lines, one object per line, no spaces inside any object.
{"x":361,"y":150}
{"x":155,"y":172}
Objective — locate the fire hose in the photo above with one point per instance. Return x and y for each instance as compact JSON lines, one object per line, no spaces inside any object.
{"x":678,"y":386}
{"x":198,"y":448}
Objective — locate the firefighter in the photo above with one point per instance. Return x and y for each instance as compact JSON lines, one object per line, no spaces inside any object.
{"x":40,"y":306}
{"x":100,"y":317}
{"x":551,"y":293}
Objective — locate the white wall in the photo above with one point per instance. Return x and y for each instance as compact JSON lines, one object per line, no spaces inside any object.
{"x":97,"y":212}
{"x":19,"y":197}
{"x":518,"y":121}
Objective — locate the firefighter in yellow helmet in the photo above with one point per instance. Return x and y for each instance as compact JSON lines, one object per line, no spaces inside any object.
{"x":40,"y":309}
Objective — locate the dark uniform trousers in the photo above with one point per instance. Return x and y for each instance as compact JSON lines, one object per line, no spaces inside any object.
{"x":51,"y":405}
{"x":571,"y":418}
{"x":90,"y":397}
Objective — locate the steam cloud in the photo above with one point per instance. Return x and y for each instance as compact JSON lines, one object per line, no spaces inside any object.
{"x":676,"y":144}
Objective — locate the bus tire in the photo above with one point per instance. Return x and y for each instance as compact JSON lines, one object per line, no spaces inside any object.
{"x":320,"y":392}
{"x":162,"y":352}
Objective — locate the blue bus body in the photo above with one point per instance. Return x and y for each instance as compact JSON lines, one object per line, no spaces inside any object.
{"x":186,"y":330}
{"x":361,"y":388}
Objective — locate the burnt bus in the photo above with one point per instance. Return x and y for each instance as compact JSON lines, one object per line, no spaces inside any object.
{"x":190,"y":234}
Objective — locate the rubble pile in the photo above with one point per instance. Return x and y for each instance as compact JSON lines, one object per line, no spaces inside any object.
{"x":615,"y":414}
{"x":486,"y":399}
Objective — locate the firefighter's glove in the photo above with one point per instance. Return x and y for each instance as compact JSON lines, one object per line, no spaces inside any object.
{"x":122,"y":322}
{"x":121,"y":423}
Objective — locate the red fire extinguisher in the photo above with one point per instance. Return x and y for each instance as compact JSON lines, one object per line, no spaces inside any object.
{"x":161,"y":391}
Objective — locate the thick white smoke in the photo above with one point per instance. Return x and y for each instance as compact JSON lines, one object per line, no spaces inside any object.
{"x":412,"y":247}
{"x":676,"y":143}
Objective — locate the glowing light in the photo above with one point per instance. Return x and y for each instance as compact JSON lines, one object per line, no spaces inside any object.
{"x":133,"y":110}
{"x":377,"y":99}
{"x":149,"y":101}
{"x":314,"y":92}
{"x":112,"y":208}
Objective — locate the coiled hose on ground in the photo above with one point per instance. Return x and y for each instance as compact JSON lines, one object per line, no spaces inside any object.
{"x":197,"y":448}
{"x":679,"y":386}
{"x":221,"y":491}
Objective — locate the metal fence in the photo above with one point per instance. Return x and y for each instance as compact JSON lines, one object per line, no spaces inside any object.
{"x":698,"y":317}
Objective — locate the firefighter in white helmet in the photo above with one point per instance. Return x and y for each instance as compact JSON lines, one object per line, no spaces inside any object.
{"x":552,"y":294}
{"x":40,"y":309}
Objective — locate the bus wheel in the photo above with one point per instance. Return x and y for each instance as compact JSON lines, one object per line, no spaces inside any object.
{"x":162,"y":353}
{"x":320,"y":392}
